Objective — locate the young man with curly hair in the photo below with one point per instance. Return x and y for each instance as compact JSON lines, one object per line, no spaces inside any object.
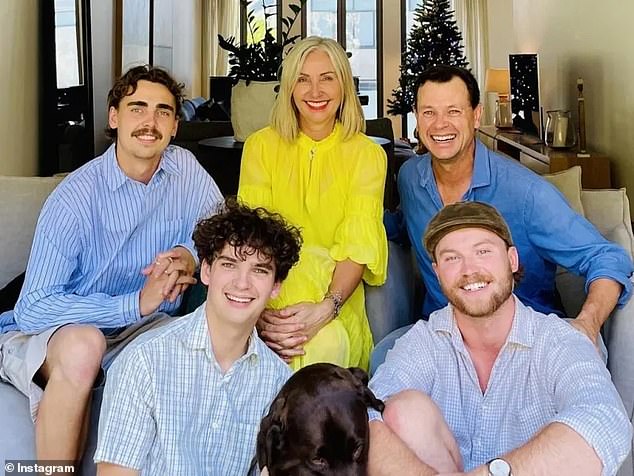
{"x":188,"y":398}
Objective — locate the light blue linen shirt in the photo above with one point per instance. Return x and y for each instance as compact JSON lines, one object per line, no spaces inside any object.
{"x":546,"y":372}
{"x":168,"y":408}
{"x":95,"y":233}
{"x":545,"y":230}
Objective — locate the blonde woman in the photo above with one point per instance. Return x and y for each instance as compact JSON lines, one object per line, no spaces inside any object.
{"x":315,"y":166}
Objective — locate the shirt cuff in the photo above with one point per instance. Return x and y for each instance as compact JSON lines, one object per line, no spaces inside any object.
{"x":130,"y":307}
{"x":622,"y":279}
{"x":374,"y":415}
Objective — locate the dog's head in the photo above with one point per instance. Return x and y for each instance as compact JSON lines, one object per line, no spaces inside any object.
{"x":318,"y":424}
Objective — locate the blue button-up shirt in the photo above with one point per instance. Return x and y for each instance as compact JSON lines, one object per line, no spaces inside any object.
{"x":95,"y":233}
{"x":546,"y":372}
{"x":169,"y":409}
{"x":545,"y":229}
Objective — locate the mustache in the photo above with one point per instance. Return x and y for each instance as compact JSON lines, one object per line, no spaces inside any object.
{"x":474,"y":278}
{"x":147,"y":131}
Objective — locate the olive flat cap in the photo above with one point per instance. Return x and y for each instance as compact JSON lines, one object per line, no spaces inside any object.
{"x":464,"y":215}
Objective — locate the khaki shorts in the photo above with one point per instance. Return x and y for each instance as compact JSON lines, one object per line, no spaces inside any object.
{"x":22,"y":355}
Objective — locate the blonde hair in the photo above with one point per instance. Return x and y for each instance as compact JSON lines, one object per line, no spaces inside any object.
{"x":284,"y":115}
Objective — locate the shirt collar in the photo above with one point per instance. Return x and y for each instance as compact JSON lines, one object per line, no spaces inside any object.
{"x":197,"y":337}
{"x":115,"y":177}
{"x":522,"y":330}
{"x":481,"y":167}
{"x":333,"y":139}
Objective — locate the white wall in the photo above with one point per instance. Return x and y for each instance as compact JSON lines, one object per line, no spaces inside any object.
{"x":19,"y":72}
{"x":500,"y":21}
{"x":580,"y":38}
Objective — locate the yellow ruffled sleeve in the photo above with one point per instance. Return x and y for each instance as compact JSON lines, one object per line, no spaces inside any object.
{"x":255,"y":171}
{"x":361,"y":236}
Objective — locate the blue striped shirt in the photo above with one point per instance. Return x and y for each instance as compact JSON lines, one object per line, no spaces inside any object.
{"x":546,"y":372}
{"x":169,"y":409}
{"x":95,"y":233}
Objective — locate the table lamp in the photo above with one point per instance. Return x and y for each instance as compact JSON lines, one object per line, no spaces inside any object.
{"x":497,"y":81}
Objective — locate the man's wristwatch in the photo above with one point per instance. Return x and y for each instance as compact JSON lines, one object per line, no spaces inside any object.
{"x":499,"y":467}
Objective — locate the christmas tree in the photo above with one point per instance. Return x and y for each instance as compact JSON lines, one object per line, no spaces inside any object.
{"x":434,"y":39}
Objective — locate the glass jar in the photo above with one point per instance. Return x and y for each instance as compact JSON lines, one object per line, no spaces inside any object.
{"x":560,"y":130}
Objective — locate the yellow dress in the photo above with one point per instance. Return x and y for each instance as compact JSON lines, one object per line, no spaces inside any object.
{"x":333,"y":191}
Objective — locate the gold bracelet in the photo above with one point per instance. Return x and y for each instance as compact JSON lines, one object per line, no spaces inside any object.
{"x":337,"y":299}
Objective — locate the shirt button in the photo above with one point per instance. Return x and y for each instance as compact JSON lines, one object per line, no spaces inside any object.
{"x":215,"y":425}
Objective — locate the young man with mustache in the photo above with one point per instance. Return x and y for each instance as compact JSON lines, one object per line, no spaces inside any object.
{"x":490,"y":387}
{"x":111,"y":257}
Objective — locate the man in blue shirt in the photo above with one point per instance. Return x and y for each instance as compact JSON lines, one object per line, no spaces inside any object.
{"x":188,"y":398}
{"x":111,"y":256}
{"x":547,"y":231}
{"x":488,"y":386}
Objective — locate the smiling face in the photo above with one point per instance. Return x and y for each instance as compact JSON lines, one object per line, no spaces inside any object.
{"x":446,"y":121}
{"x":145,"y":121}
{"x":240,"y":284}
{"x":475,"y":269}
{"x":317,"y":95}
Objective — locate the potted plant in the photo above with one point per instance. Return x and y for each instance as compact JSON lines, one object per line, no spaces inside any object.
{"x":255,"y":64}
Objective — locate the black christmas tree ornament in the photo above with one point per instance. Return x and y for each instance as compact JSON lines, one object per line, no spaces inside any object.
{"x":434,"y":39}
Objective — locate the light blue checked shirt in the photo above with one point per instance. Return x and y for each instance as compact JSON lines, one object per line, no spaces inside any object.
{"x":546,"y":372}
{"x":95,"y":233}
{"x":168,"y":409}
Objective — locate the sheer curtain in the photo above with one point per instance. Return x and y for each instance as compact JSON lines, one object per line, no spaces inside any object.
{"x":217,"y":16}
{"x":471,"y":16}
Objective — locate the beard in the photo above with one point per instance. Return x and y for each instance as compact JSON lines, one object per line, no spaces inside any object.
{"x":500,"y":292}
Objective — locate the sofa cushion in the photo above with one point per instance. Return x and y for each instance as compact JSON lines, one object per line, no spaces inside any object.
{"x":609,"y":211}
{"x":17,"y":435}
{"x":17,"y":432}
{"x":568,"y":182}
{"x":21,"y":199}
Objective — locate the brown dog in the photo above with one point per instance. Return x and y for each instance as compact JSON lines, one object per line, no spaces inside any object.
{"x":318,"y":424}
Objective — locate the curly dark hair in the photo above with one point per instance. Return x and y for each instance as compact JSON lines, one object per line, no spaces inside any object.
{"x":127,"y":84}
{"x":443,"y":73}
{"x":250,"y":231}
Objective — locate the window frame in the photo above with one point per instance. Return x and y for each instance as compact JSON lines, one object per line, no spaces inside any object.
{"x":341,"y":39}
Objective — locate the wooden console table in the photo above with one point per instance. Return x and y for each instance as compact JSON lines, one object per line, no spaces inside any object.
{"x":533,"y":153}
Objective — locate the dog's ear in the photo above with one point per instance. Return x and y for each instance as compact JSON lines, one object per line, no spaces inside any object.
{"x":370,"y":400}
{"x":361,"y":374}
{"x":270,"y":437}
{"x":366,"y":395}
{"x":270,"y":444}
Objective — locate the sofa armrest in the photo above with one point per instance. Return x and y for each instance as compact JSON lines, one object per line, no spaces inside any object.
{"x":619,"y":330}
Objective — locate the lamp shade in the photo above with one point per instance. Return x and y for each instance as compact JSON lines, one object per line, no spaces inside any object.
{"x":497,"y":81}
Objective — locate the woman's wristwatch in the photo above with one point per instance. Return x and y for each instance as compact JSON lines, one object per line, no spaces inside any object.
{"x":337,"y":299}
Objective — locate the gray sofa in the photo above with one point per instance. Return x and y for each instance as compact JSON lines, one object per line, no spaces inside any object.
{"x":21,"y":199}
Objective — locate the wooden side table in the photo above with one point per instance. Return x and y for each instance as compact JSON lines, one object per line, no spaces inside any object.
{"x":534,"y":154}
{"x":595,"y":170}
